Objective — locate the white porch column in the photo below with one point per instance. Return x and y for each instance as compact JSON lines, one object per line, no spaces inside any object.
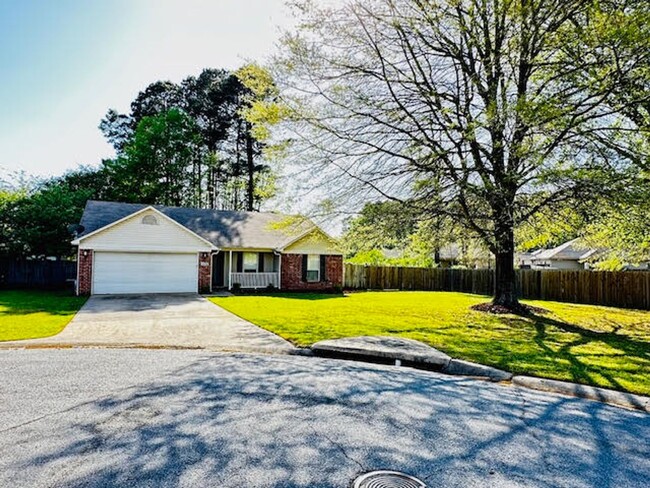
{"x":230,"y":271}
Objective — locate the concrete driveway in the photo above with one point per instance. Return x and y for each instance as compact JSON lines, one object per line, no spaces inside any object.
{"x":174,"y":320}
{"x":146,"y":418}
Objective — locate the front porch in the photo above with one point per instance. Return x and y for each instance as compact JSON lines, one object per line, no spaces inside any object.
{"x":256,"y":280}
{"x":245,"y":269}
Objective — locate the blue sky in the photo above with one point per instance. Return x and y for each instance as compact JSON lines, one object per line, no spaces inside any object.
{"x":64,"y":63}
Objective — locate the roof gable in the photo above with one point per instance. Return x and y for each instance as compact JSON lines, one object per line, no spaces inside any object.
{"x":144,"y":229}
{"x":314,"y":241}
{"x":569,"y":251}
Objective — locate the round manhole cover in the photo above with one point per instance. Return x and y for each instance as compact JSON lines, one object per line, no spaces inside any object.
{"x":387,"y":479}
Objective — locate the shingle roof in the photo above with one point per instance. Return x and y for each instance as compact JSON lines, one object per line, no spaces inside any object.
{"x":570,"y":250}
{"x":223,"y":228}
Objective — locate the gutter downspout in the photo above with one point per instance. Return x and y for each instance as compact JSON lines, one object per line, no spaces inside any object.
{"x":76,"y":282}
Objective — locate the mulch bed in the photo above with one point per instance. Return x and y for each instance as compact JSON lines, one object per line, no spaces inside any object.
{"x":500,"y":309}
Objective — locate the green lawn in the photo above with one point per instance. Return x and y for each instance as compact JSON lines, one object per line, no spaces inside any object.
{"x":31,"y":314}
{"x":600,"y":346}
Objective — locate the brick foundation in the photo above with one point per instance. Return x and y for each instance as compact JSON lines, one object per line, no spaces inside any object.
{"x":292,"y":274}
{"x":85,"y":272}
{"x":205,"y":272}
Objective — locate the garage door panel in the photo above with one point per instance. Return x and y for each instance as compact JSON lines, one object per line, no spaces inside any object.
{"x":115,"y":272}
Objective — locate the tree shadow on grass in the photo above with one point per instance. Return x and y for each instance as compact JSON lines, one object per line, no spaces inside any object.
{"x":278,"y":422}
{"x":516,"y":352}
{"x":580,"y":371}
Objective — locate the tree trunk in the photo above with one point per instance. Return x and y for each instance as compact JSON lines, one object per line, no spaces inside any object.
{"x":250,"y":193}
{"x":505,"y":292}
{"x":211,"y":187}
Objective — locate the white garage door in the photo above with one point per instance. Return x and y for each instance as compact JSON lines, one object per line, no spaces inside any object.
{"x":125,"y":272}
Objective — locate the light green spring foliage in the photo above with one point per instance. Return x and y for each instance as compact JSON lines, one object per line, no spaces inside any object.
{"x":600,"y":346}
{"x":620,"y":230}
{"x":379,"y":225}
{"x":409,"y":233}
{"x":377,"y":257}
{"x":625,"y":232}
{"x":549,"y":228}
{"x":389,"y":226}
{"x":263,"y":110}
{"x":428,"y":237}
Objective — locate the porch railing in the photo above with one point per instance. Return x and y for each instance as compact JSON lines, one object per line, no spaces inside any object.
{"x":255,"y":280}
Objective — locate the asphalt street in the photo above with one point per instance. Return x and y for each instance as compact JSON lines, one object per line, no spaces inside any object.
{"x":164,"y":418}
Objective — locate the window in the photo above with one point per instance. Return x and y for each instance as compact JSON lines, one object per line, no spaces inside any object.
{"x":313,"y":267}
{"x":149,"y":220}
{"x":250,"y":262}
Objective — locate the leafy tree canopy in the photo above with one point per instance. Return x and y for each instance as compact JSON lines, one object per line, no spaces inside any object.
{"x":486,"y":112}
{"x":217,"y":125}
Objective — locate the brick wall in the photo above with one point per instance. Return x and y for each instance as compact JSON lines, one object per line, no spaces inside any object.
{"x":292,"y":273}
{"x":85,"y":273}
{"x":205,"y":272}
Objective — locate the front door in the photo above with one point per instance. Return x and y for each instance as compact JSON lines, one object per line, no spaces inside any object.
{"x":218,"y":271}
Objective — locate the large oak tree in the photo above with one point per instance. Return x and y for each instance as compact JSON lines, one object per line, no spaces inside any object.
{"x":482,"y":110}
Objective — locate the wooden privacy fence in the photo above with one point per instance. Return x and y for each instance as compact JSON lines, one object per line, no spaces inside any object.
{"x":629,"y":289}
{"x":25,"y":273}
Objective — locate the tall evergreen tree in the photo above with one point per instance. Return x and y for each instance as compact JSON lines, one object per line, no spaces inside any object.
{"x":227,"y":168}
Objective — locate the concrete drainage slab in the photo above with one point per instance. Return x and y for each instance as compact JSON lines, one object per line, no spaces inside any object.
{"x":387,"y":479}
{"x":383,"y":349}
{"x":407,"y":352}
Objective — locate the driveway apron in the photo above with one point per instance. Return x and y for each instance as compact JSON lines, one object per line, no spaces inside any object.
{"x":170,"y":320}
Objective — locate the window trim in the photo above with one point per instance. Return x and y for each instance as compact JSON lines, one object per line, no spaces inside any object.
{"x":316,"y":259}
{"x":257,"y":263}
{"x":149,"y":219}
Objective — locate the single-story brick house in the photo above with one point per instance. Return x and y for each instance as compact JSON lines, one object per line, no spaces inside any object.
{"x":137,"y":248}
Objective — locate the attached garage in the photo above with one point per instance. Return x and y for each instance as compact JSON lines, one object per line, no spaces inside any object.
{"x":124,"y":272}
{"x":143,"y":252}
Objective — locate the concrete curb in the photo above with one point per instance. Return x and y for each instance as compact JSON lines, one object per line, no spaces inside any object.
{"x":383,"y":349}
{"x":103,"y":345}
{"x":467,"y":368}
{"x":603,"y":395}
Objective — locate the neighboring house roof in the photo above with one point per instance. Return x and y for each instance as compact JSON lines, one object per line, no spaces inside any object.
{"x":569,"y":251}
{"x":223,"y":228}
